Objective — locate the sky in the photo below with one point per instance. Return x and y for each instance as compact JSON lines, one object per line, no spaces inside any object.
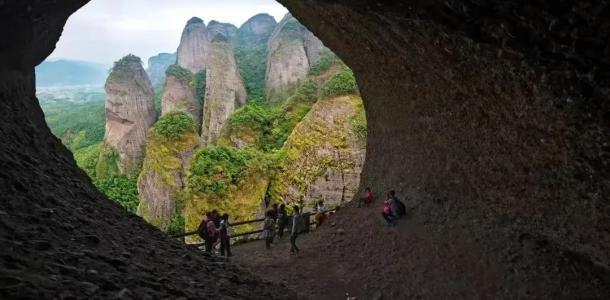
{"x":103,"y":31}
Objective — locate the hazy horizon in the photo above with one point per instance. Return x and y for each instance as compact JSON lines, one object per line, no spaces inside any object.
{"x":103,"y":31}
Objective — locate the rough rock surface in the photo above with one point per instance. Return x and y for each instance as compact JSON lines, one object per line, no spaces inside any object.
{"x":493,"y":118}
{"x":130,"y":112}
{"x":324,"y":156}
{"x":179,"y":95}
{"x":61,"y":238}
{"x":225,"y":89}
{"x":226,"y":29}
{"x":194,"y":44}
{"x":287,"y":62}
{"x":157,"y":65}
{"x":258,"y":25}
{"x":163,"y":176}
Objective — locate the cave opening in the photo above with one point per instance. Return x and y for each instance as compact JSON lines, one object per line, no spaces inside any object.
{"x":489,"y":119}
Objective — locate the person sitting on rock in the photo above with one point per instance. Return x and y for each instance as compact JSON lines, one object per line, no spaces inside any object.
{"x":268,"y":226}
{"x":387,"y":211}
{"x":367,"y":197}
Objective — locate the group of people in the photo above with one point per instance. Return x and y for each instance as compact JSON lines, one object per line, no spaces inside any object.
{"x":215,"y":229}
{"x":393,"y":208}
{"x":278,"y":215}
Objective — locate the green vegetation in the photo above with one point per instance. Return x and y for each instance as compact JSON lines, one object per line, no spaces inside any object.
{"x":174,"y":124}
{"x":179,"y":72}
{"x":176,"y":225}
{"x":121,"y":189}
{"x":78,"y":125}
{"x":251,"y":57}
{"x":86,"y":158}
{"x":342,"y":83}
{"x":215,"y":169}
{"x":358,"y":123}
{"x":123,"y":66}
{"x":107,"y":164}
{"x":323,"y":64}
{"x":200,"y":83}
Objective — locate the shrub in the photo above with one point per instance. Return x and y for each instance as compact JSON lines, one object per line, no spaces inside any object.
{"x":121,"y":189}
{"x":342,"y":83}
{"x":123,"y":66}
{"x":176,"y":225}
{"x":215,"y":169}
{"x":86,"y":158}
{"x":174,"y":124}
{"x":200,"y":83}
{"x":178,"y":72}
{"x":323,"y":64}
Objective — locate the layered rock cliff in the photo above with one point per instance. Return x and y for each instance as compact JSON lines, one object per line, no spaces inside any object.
{"x":163,"y":176}
{"x":194,"y":44}
{"x":130,"y":112}
{"x":291,"y":51}
{"x":157,"y":65}
{"x":179,"y":93}
{"x":225,"y":89}
{"x":324,"y":155}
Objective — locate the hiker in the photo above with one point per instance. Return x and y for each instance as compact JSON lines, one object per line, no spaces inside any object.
{"x":297,"y":227}
{"x":282,"y":220}
{"x":208,"y":232}
{"x":387,"y":211}
{"x":268,"y":229}
{"x":367,"y":197}
{"x":216,"y":218}
{"x":274,"y":212}
{"x":320,"y":213}
{"x":225,"y":236}
{"x":398,"y":208}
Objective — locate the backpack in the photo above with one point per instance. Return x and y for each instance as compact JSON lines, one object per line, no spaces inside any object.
{"x":202,"y":230}
{"x":402,"y":209}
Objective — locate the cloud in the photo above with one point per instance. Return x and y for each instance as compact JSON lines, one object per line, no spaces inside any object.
{"x":105,"y":30}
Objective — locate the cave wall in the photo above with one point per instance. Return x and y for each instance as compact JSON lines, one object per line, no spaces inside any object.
{"x":59,"y":237}
{"x":491,"y":119}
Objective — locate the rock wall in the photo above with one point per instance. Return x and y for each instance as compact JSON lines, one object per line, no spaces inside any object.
{"x":157,"y":65}
{"x":482,"y":116}
{"x":226,"y":29}
{"x":54,"y":224}
{"x":130,"y":112}
{"x":162,"y":180}
{"x":324,"y":156}
{"x":225,"y":89}
{"x":193,"y":48}
{"x":179,"y":94}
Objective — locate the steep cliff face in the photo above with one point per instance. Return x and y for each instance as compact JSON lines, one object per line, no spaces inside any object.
{"x":130,"y":112}
{"x":226,"y":29}
{"x":157,"y":65}
{"x":291,"y":51}
{"x":161,"y":182}
{"x":179,"y":93}
{"x":323,"y":155}
{"x":225,"y":89}
{"x":194,"y":44}
{"x":251,"y":52}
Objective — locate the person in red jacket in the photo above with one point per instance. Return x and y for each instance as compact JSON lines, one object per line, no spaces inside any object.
{"x":367,"y":197}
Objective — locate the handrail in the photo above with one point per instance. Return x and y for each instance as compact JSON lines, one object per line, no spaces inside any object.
{"x":250,"y":222}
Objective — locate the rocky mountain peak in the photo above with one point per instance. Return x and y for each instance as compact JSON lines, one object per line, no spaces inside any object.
{"x":130,"y":112}
{"x":260,"y":24}
{"x":157,"y":65}
{"x":193,"y":46}
{"x":226,"y":30}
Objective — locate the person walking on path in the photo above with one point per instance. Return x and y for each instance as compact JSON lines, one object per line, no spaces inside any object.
{"x":297,"y":226}
{"x":225,"y":236}
{"x":282,"y":220}
{"x":268,"y":227}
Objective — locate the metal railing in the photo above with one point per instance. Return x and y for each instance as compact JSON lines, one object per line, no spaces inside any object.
{"x":307,"y":216}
